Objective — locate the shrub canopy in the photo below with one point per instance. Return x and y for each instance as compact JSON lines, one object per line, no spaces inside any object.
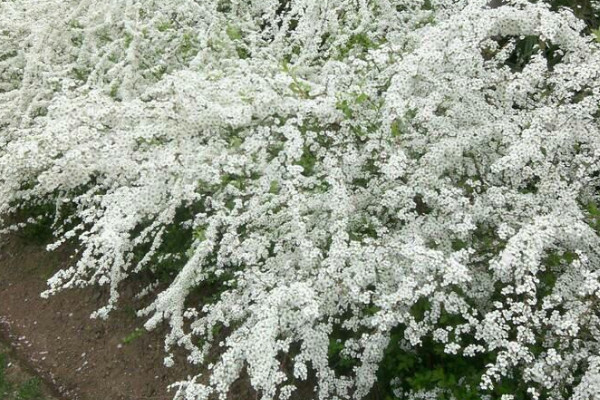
{"x":397,"y":189}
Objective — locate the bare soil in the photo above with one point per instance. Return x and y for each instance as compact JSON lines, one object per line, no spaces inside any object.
{"x":78,"y":357}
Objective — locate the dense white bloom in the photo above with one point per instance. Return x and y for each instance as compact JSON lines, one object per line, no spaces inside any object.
{"x":333,"y":166}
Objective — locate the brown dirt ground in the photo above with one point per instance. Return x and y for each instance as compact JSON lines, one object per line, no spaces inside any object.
{"x":81,"y":358}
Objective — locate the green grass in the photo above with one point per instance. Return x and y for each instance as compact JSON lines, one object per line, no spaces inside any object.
{"x":29,"y":390}
{"x":10,"y":390}
{"x":4,"y":385}
{"x":136,"y":334}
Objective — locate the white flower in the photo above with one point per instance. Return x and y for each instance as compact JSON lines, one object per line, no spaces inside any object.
{"x":423,"y":167}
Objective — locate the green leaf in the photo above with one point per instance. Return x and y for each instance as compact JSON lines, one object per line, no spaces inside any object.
{"x":395,"y":129}
{"x":200,"y":234}
{"x":361,"y":98}
{"x":307,"y":162}
{"x":164,"y":26}
{"x":137,"y":333}
{"x":274,"y":188}
{"x":233,"y":32}
{"x":344,"y":107}
{"x":30,"y":390}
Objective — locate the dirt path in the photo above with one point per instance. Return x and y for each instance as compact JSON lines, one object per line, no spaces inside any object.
{"x":19,"y":381}
{"x":83,"y":359}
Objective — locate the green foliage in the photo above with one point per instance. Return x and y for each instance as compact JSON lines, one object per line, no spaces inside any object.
{"x":146,"y":143}
{"x":429,"y":20}
{"x":301,"y":89}
{"x":39,"y":112}
{"x":352,"y":106}
{"x":136,"y":334}
{"x":344,"y":107}
{"x":128,"y":39}
{"x":363,"y":228}
{"x":104,"y":36}
{"x":239,"y":182}
{"x":28,"y":390}
{"x":75,"y":24}
{"x":274,"y":187}
{"x":158,"y":71}
{"x":428,"y":367}
{"x":188,"y":47}
{"x":4,"y":384}
{"x":80,"y":74}
{"x":224,"y":6}
{"x":172,"y":254}
{"x":307,"y":162}
{"x":395,"y":129}
{"x":40,"y":231}
{"x":242,"y":52}
{"x":43,"y":215}
{"x":337,"y":361}
{"x":594,"y":215}
{"x":215,"y":285}
{"x":200,"y":234}
{"x":359,"y":42}
{"x":298,"y":87}
{"x":114,"y":92}
{"x":233,"y":32}
{"x":7,"y":55}
{"x":527,"y":47}
{"x":216,"y":332}
{"x":342,"y":364}
{"x":400,"y":125}
{"x":164,"y":26}
{"x":294,"y":51}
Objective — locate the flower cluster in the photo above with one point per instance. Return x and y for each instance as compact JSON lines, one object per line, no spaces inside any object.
{"x":373,"y":174}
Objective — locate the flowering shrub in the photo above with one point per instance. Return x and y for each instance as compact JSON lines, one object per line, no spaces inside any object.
{"x":402,"y":191}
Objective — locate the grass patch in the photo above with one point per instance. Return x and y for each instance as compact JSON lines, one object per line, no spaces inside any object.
{"x":11,"y":389}
{"x":136,"y":334}
{"x":29,"y":390}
